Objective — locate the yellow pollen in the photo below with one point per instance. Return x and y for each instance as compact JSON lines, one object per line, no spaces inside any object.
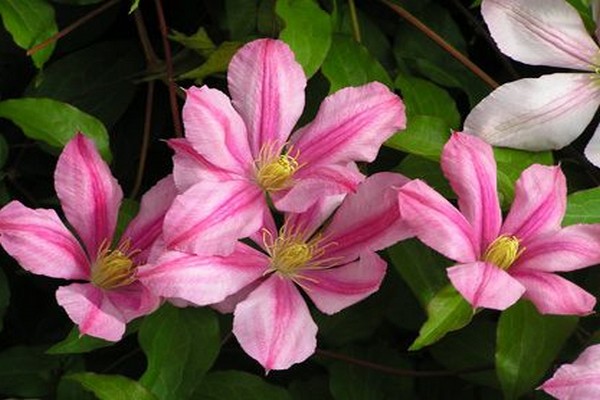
{"x":503,"y":251}
{"x":114,"y":268}
{"x":274,"y":171}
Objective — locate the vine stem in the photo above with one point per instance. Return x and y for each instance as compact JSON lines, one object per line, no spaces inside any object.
{"x":145,"y":141}
{"x":442,"y":43}
{"x":72,"y":27}
{"x":169,"y":62}
{"x":355,"y":24}
{"x":395,"y":371}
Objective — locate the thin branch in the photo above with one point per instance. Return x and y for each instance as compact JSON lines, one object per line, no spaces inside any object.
{"x":145,"y":141}
{"x":354,"y":18}
{"x":442,"y":43}
{"x":152,"y":60}
{"x":72,"y":27}
{"x":395,"y":371}
{"x":169,"y":61}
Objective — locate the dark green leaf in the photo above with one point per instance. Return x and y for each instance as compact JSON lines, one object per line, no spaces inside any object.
{"x":27,"y":372}
{"x":348,"y":63}
{"x":30,"y":22}
{"x":97,"y":80}
{"x":315,"y":388}
{"x":75,"y":343}
{"x":4,"y":296}
{"x":54,"y":122}
{"x":424,"y":136}
{"x":181,"y":345}
{"x":128,"y":210}
{"x":200,"y":42}
{"x":234,"y":385}
{"x":241,"y":17}
{"x":112,"y":387}
{"x":416,"y":167}
{"x":447,"y":312}
{"x":527,"y":344}
{"x":78,"y":2}
{"x":217,"y":61}
{"x":583,"y":207}
{"x":307,"y":31}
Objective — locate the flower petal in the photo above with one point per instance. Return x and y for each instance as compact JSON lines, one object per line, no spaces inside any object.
{"x":90,"y":196}
{"x":309,"y":221}
{"x":267,"y":89}
{"x":203,"y":280}
{"x":535,"y":114}
{"x":133,"y":300}
{"x":592,"y":150}
{"x":40,"y":243}
{"x":553,"y":294}
{"x":579,"y":380}
{"x":146,"y":227}
{"x":368,"y":220}
{"x":210,"y":216}
{"x":216,"y":131}
{"x":569,"y":249}
{"x":436,"y":222}
{"x":540,"y":32}
{"x":92,"y":311}
{"x":308,"y":188}
{"x":485,"y":285}
{"x":351,"y":125}
{"x":334,"y":289}
{"x":189,"y":167}
{"x":468,"y":163}
{"x":273,"y":325}
{"x":539,"y":205}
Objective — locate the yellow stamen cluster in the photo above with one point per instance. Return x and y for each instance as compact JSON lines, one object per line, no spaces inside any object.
{"x":273,"y":170}
{"x":114,"y":268}
{"x":503,"y":251}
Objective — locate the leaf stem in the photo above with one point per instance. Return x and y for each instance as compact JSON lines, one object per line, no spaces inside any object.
{"x":145,"y":141}
{"x":354,"y":18}
{"x":442,"y":43}
{"x":72,"y":27}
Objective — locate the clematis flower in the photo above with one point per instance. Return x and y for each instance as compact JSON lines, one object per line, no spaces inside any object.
{"x":236,"y":151}
{"x":498,"y":262}
{"x":109,"y":294}
{"x":577,"y":381}
{"x":548,"y":112}
{"x":336,"y":266}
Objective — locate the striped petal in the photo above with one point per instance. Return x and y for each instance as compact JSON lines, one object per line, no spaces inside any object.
{"x":40,"y":243}
{"x":579,"y":380}
{"x":90,"y":196}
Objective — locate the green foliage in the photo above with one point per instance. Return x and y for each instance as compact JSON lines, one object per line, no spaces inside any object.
{"x":27,"y":372}
{"x":233,"y":385}
{"x":583,"y":207}
{"x":4,"y":296}
{"x":181,"y":345}
{"x":112,"y":387}
{"x":424,"y":136}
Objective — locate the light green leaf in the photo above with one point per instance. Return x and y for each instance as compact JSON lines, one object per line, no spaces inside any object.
{"x":424,"y":136}
{"x":54,"y":122}
{"x":234,"y":385}
{"x":112,"y":387}
{"x":217,"y":61}
{"x":134,"y":5}
{"x":181,"y":345}
{"x":30,"y":22}
{"x":307,"y":31}
{"x":348,"y":63}
{"x":583,"y":207}
{"x":447,"y":311}
{"x":527,"y":344}
{"x":200,"y":42}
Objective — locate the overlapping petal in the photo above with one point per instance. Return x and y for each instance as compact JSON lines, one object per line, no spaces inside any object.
{"x":535,"y":114}
{"x":273,"y":325}
{"x":579,"y":380}
{"x":334,"y":289}
{"x":133,"y":300}
{"x":90,"y":196}
{"x":485,"y":285}
{"x":540,"y":32}
{"x":267,"y":89}
{"x":40,"y":242}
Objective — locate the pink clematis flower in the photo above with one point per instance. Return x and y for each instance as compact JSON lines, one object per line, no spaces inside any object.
{"x":501,"y":261}
{"x":90,"y":198}
{"x":548,"y":112}
{"x":236,"y":151}
{"x":336,"y":266}
{"x":577,"y":381}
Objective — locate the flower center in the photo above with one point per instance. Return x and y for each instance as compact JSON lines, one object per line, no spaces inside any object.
{"x":114,"y":268}
{"x":273,"y":170}
{"x":289,"y":254}
{"x":503,"y":251}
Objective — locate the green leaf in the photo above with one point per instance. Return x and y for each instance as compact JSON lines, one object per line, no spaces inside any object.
{"x":527,"y":344}
{"x":97,"y":80}
{"x":76,"y":343}
{"x":3,"y":151}
{"x":348,"y":63}
{"x":307,"y":31}
{"x":134,"y":6}
{"x":30,"y":22}
{"x":128,"y":210}
{"x":112,"y":387}
{"x":181,"y":345}
{"x":241,"y":18}
{"x":583,"y":207}
{"x":317,"y":387}
{"x":424,"y":136}
{"x":217,"y":61}
{"x":354,"y":382}
{"x":27,"y":372}
{"x":234,"y":385}
{"x":422,"y":97}
{"x":4,"y":296}
{"x":416,"y":167}
{"x":200,"y":42}
{"x":447,"y":311}
{"x":54,"y":122}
